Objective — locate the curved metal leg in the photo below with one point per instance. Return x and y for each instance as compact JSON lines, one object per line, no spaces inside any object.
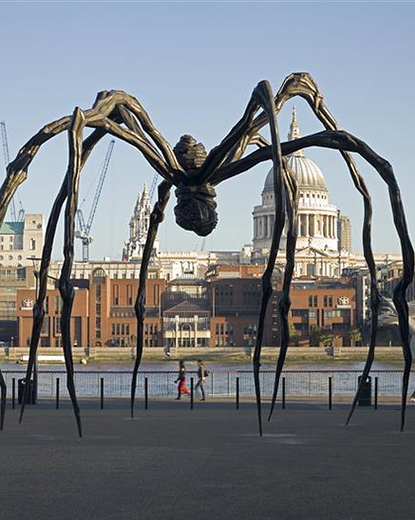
{"x":65,"y":287}
{"x":302,"y":84}
{"x":341,"y":140}
{"x":285,"y":302}
{"x":156,"y":217}
{"x":38,"y":309}
{"x":263,"y":96}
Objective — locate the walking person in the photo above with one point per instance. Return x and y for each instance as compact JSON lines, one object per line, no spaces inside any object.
{"x":201,"y":374}
{"x":181,"y":379}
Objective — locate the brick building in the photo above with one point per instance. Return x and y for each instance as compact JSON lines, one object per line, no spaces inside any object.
{"x":221,"y":310}
{"x":323,"y":305}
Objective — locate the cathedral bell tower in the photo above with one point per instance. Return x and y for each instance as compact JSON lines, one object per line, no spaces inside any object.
{"x":139,"y":226}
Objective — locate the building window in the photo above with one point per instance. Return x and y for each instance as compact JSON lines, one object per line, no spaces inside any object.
{"x":45,"y":326}
{"x":129,"y":295}
{"x":32,"y":244}
{"x":57,"y":325}
{"x":47,"y":305}
{"x":57,"y":305}
{"x":98,"y":293}
{"x":115,"y":294}
{"x":44,"y":342}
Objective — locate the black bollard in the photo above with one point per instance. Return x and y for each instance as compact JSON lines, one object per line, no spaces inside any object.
{"x":237,"y":393}
{"x":191,"y":393}
{"x":13,"y":393}
{"x":283,"y":394}
{"x":376,"y":392}
{"x":57,"y":393}
{"x":102,"y":393}
{"x":330,"y":392}
{"x":146,"y":393}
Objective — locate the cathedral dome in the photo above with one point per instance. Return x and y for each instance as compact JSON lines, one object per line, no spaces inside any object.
{"x":307,"y":173}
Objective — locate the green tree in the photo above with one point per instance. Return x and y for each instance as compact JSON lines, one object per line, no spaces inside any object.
{"x":324,"y":336}
{"x":294,"y":334}
{"x":355,"y":336}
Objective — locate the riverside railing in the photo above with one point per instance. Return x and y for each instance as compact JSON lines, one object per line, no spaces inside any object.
{"x":221,"y":383}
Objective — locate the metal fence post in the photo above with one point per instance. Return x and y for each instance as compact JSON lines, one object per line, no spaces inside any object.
{"x":13,"y":393}
{"x":229,"y":384}
{"x":330,"y":392}
{"x":102,"y":393}
{"x":283,"y":393}
{"x":237,"y":393}
{"x":376,"y":392}
{"x":191,"y":392}
{"x":211,"y":379}
{"x":146,"y":393}
{"x":57,"y":393}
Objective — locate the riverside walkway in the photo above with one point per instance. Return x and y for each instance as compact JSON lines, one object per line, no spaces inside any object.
{"x":174,"y":463}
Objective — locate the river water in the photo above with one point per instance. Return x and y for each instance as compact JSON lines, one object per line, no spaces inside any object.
{"x":192,"y":366}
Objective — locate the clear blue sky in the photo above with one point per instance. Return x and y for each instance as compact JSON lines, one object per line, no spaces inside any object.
{"x":193,"y":66}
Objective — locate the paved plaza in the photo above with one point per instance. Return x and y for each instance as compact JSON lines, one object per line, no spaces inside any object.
{"x":171,"y":462}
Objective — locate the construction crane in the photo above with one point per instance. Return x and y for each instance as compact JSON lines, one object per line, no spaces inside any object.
{"x":153,"y":186}
{"x":83,"y":229}
{"x":20,"y":217}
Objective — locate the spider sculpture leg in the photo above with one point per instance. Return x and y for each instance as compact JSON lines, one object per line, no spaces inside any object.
{"x":302,"y":84}
{"x":263,"y":94}
{"x":291,"y":190}
{"x":156,"y":217}
{"x":65,"y":287}
{"x":210,"y":171}
{"x":344,"y":142}
{"x":107,"y":111}
{"x":38,"y":309}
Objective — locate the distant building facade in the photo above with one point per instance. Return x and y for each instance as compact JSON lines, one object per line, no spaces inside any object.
{"x":218,"y":311}
{"x":344,"y":233}
{"x":21,"y":241}
{"x":20,"y":244}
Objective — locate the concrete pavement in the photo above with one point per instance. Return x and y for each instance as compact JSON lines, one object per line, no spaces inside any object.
{"x":171,"y":462}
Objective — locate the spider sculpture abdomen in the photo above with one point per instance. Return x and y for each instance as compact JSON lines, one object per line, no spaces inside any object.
{"x":196,"y":206}
{"x":196,"y":209}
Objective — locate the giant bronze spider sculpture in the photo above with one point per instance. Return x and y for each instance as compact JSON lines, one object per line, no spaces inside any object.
{"x":195,"y":173}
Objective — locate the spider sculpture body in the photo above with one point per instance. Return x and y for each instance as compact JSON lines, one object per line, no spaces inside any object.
{"x":194,"y":173}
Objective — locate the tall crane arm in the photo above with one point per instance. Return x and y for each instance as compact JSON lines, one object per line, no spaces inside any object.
{"x":99,"y":187}
{"x":6,"y":162}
